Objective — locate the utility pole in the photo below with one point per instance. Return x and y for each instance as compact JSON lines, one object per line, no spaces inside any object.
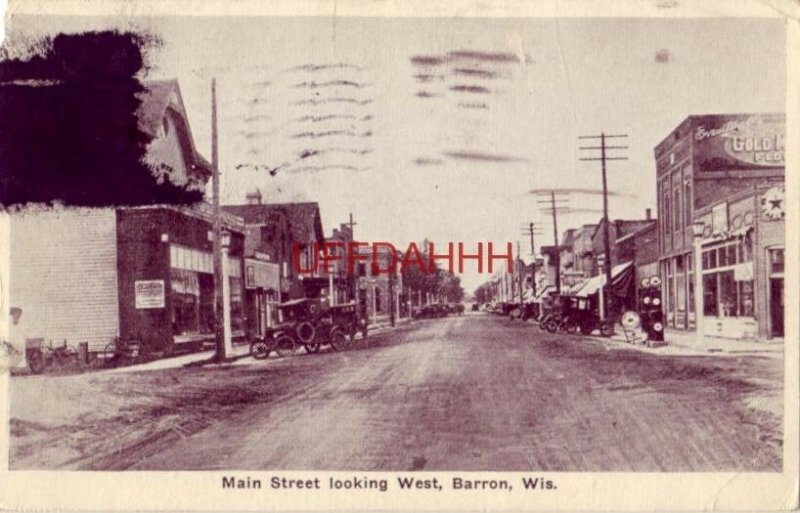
{"x":392,"y":297}
{"x":354,"y":278}
{"x":552,"y":206}
{"x":603,"y":159}
{"x":519,"y":274}
{"x":219,"y":335}
{"x":533,"y":229}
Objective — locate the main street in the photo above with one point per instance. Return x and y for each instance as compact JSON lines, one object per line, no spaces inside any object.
{"x":476,"y":392}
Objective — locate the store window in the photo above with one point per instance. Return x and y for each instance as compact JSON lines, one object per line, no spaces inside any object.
{"x":237,"y":304}
{"x":710,"y":296}
{"x":192,"y":288}
{"x":729,"y":295}
{"x":728,"y":279}
{"x":680,"y":292}
{"x":192,"y":302}
{"x":690,"y":283}
{"x":746,"y":301}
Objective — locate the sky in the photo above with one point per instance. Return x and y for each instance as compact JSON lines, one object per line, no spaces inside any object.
{"x":439,"y":128}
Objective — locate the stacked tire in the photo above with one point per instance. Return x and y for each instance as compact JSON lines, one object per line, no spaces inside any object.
{"x":650,"y":308}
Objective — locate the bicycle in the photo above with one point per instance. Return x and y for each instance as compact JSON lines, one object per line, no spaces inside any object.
{"x":121,"y":352}
{"x":41,"y":356}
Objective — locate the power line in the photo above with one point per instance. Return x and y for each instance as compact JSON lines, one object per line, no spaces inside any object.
{"x":603,"y":158}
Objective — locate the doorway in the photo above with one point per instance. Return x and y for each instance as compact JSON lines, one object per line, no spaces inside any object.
{"x":776,"y":298}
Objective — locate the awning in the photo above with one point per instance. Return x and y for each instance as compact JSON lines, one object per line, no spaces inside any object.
{"x":619,"y":273}
{"x":294,"y":302}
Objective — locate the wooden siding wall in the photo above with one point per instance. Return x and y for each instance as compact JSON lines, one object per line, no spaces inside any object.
{"x":63,"y":267}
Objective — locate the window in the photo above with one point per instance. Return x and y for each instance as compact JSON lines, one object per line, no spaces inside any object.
{"x":729,"y":294}
{"x":727,"y":291}
{"x":746,"y":304}
{"x":728,"y":254}
{"x":722,"y":258}
{"x":690,"y":285}
{"x":776,"y":264}
{"x":667,"y":213}
{"x":680,"y":286}
{"x":677,"y":206}
{"x":710,"y":295}
{"x":237,"y":307}
{"x":687,"y":202}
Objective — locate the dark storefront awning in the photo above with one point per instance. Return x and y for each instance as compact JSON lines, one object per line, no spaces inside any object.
{"x":620,"y":278}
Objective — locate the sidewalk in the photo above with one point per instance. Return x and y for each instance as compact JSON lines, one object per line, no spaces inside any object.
{"x":239,"y":351}
{"x":690,"y":343}
{"x":173,"y":362}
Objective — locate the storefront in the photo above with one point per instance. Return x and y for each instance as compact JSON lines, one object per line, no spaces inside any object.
{"x":713,"y":172}
{"x":739,"y":247}
{"x":166,"y":276}
{"x":678,"y":278}
{"x":262,"y":286}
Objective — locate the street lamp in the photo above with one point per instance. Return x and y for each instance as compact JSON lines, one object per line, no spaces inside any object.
{"x":698,"y":228}
{"x":225,"y":239}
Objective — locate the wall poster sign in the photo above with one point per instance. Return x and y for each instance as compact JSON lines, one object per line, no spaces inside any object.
{"x":739,"y":142}
{"x":149,"y":294}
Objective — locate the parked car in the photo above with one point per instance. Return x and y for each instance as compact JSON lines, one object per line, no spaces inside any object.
{"x":431,"y":311}
{"x":312,"y":324}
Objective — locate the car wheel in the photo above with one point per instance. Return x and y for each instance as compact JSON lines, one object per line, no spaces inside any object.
{"x":260,"y":349}
{"x":338,"y":340}
{"x":285,"y":346}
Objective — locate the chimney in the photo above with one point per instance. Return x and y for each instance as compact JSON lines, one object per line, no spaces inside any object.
{"x":254,"y":197}
{"x":648,"y":214}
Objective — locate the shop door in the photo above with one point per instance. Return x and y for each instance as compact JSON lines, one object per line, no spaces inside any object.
{"x":776,"y":306}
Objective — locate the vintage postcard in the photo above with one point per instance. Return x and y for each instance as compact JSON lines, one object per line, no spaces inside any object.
{"x":358,"y":256}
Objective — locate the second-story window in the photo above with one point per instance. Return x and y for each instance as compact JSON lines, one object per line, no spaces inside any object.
{"x":687,"y":202}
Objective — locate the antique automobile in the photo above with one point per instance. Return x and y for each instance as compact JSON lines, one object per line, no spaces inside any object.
{"x":431,"y":311}
{"x":310,"y":323}
{"x":346,"y":316}
{"x":455,"y":308}
{"x":524,"y":311}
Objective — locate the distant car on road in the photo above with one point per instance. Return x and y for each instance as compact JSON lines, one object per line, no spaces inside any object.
{"x":455,"y":308}
{"x":432,"y":311}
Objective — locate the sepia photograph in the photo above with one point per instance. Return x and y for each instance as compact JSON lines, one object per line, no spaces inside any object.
{"x":377,"y":248}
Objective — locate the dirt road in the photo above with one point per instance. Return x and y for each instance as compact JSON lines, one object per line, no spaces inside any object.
{"x":465,"y":393}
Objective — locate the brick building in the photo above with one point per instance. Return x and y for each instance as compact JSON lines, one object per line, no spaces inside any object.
{"x":708,"y":170}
